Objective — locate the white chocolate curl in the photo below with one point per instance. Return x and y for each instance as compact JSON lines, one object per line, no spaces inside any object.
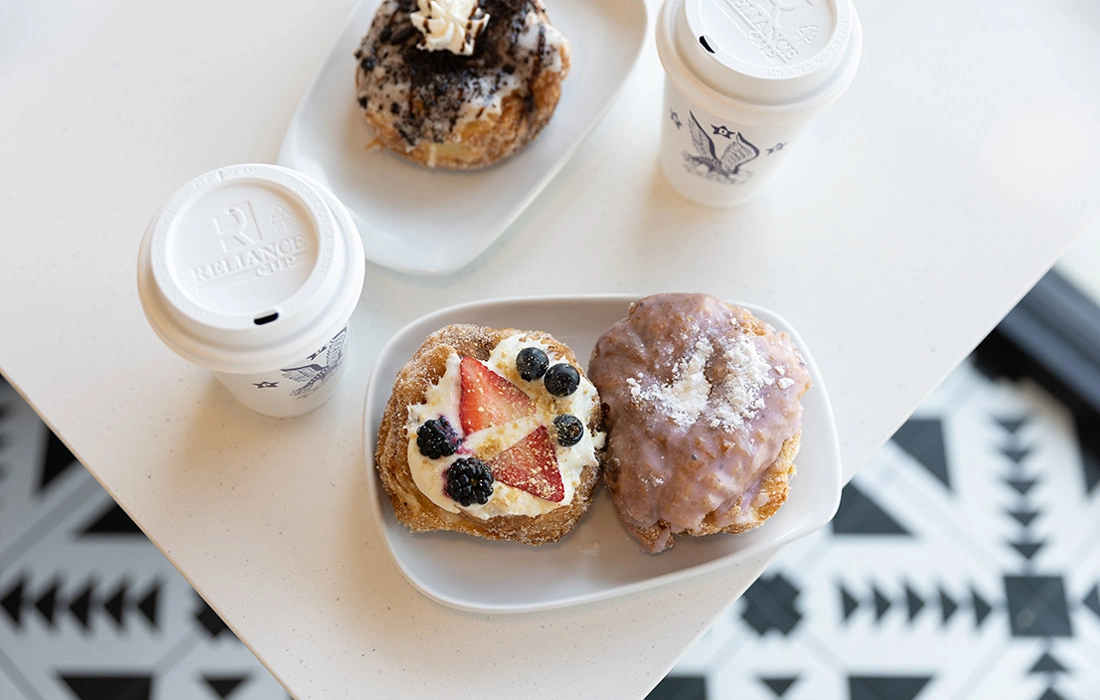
{"x":449,"y":25}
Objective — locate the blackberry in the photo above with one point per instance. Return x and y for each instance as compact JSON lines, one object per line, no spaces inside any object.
{"x":532,"y":363}
{"x":468,"y":480}
{"x":570,"y":430}
{"x":436,"y":438}
{"x":562,"y":379}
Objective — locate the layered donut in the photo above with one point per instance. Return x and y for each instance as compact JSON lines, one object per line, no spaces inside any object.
{"x":703,"y":414}
{"x":460,"y":84}
{"x":491,"y":432}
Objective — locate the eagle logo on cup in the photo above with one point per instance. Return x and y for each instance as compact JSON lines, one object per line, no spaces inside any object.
{"x":705,"y":161}
{"x":313,"y":376}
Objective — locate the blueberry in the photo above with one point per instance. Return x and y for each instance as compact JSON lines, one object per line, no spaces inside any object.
{"x":570,"y":430}
{"x":532,"y":363}
{"x":562,"y":379}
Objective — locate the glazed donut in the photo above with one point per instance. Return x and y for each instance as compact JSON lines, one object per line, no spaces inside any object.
{"x":491,"y":432}
{"x":455,"y":111}
{"x":703,"y":413}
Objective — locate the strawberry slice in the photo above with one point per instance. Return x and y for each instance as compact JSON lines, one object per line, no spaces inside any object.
{"x":488,"y":399}
{"x":531,"y":465}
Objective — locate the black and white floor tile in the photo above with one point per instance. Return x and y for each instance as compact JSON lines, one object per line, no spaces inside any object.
{"x":964,"y":563}
{"x":89,"y":608}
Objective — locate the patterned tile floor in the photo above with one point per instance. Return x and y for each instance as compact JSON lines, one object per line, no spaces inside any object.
{"x":89,"y":608}
{"x":964,"y":563}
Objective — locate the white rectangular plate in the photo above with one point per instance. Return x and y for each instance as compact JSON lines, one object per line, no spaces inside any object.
{"x":598,"y":559}
{"x":427,"y":222}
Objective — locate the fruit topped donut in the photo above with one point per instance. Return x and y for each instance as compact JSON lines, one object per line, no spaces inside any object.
{"x":491,"y":432}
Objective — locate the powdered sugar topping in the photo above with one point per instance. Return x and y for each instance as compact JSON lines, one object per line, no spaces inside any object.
{"x":728,"y":398}
{"x":685,"y":397}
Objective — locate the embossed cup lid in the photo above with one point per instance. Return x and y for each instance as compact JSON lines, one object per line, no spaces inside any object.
{"x":768,"y":52}
{"x":246,"y":266}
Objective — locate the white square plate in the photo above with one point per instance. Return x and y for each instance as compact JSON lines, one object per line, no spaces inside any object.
{"x":597,"y":559}
{"x":433,"y":234}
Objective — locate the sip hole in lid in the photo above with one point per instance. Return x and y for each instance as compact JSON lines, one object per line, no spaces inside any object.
{"x":244,"y":264}
{"x":767,"y":52}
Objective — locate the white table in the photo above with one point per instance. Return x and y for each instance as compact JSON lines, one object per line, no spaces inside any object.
{"x":918,"y":210}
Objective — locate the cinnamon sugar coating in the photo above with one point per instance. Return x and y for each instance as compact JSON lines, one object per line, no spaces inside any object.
{"x":412,"y":507}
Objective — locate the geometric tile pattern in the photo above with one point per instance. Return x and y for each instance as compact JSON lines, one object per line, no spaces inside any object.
{"x":771,"y":604}
{"x":1090,"y":465}
{"x":859,"y":514}
{"x":89,"y":608}
{"x":964,"y":562}
{"x":121,"y":687}
{"x":112,"y":521}
{"x":82,"y":602}
{"x":922,"y":439}
{"x":224,"y":686}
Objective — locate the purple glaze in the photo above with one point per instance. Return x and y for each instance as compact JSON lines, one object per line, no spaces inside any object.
{"x":665,"y":466}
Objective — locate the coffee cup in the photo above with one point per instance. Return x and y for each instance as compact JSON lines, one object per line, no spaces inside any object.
{"x":253,"y":272}
{"x":743,"y":78}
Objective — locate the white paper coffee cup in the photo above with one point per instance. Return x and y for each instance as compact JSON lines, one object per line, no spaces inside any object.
{"x":743,"y":78}
{"x":253,"y":272}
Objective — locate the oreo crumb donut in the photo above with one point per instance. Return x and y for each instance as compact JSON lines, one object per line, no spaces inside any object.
{"x":703,"y":413}
{"x":449,"y":110}
{"x":473,"y":441}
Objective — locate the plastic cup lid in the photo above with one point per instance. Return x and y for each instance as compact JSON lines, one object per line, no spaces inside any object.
{"x":767,"y":52}
{"x":244,"y":266}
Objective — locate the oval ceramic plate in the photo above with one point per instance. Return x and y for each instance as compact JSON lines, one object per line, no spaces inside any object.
{"x":597,"y":559}
{"x":403,"y":227}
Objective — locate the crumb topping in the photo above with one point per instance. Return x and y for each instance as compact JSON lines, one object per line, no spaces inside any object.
{"x":432,"y":94}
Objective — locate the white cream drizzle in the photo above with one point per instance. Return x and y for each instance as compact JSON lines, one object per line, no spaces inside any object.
{"x":449,"y":25}
{"x":486,"y":92}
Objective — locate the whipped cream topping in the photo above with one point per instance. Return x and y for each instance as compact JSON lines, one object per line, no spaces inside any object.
{"x":443,"y":400}
{"x":450,"y":91}
{"x":449,"y":25}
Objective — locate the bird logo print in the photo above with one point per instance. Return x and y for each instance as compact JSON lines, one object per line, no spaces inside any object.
{"x":705,"y":161}
{"x":313,"y":376}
